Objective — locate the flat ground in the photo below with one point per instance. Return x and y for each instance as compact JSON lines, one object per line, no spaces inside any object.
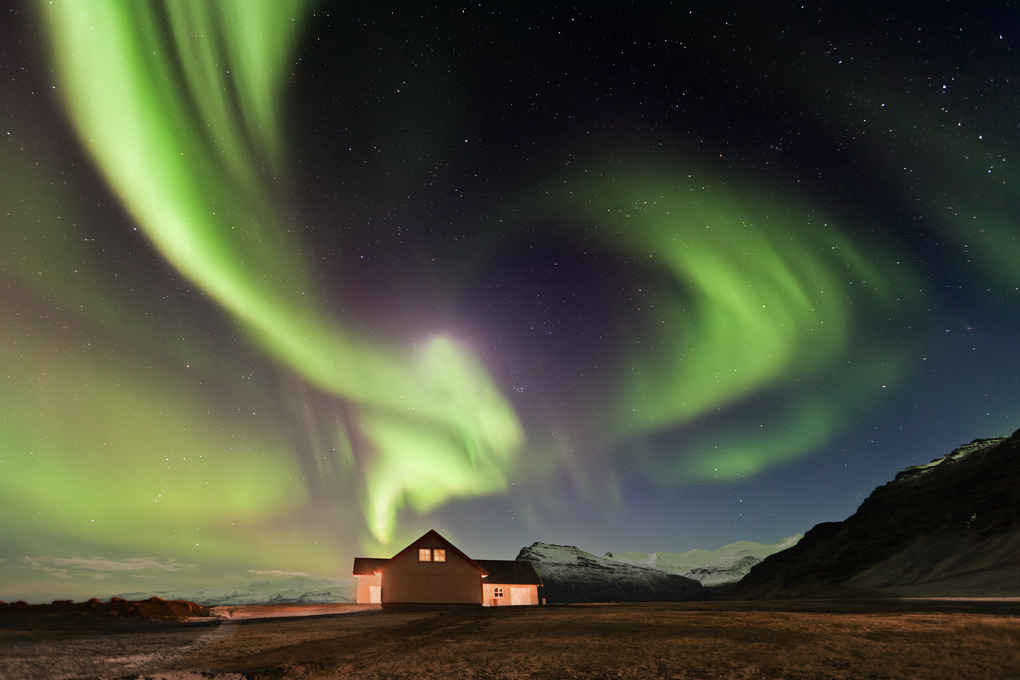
{"x":957,"y":639}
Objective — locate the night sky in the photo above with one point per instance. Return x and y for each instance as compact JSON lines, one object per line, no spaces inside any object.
{"x":284,"y":283}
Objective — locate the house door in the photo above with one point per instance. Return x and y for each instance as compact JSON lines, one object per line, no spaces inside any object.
{"x":375,"y":594}
{"x":519,"y":596}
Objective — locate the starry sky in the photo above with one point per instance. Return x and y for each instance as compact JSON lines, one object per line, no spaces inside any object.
{"x":286,"y":282}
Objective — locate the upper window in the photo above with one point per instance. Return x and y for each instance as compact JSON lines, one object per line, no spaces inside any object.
{"x":424,"y":554}
{"x":439,"y":555}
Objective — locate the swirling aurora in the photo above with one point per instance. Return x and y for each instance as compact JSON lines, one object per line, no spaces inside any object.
{"x":287,"y":283}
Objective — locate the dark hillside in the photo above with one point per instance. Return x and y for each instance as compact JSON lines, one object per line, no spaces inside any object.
{"x":951,"y":527}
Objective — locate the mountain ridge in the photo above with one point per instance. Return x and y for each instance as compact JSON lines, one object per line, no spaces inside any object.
{"x":570,"y":574}
{"x":721,"y":566}
{"x":950,"y":527}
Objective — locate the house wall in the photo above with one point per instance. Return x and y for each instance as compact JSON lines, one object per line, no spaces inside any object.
{"x":527,"y":594}
{"x":364,"y":582}
{"x":489,"y":598}
{"x":524,"y":595}
{"x":406,"y":580}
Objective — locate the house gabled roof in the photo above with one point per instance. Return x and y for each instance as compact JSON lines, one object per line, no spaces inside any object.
{"x":364,"y":566}
{"x":511,"y":572}
{"x":449,"y":546}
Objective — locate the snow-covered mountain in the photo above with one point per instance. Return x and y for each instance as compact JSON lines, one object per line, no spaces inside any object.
{"x":570,"y":574}
{"x":280,"y":590}
{"x":727,"y":564}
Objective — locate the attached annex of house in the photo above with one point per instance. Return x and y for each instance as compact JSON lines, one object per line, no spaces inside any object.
{"x":431,"y":570}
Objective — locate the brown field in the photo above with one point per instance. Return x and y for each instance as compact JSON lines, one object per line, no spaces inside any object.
{"x":798,"y":640}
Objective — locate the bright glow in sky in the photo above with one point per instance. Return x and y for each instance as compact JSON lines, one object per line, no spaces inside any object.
{"x":287,"y":285}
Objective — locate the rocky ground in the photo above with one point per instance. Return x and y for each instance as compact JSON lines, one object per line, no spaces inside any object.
{"x":943,"y":639}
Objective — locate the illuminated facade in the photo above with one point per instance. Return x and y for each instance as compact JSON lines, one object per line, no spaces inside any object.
{"x":431,"y":570}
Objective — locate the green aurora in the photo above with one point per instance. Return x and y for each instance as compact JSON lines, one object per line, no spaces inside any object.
{"x":196,"y":199}
{"x":747,"y":293}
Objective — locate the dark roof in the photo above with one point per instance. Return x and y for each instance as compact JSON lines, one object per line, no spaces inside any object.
{"x":510,"y":572}
{"x":366,"y":566}
{"x":450,"y":547}
{"x":369,"y":565}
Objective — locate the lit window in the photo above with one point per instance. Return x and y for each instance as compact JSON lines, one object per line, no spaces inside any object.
{"x":439,"y":555}
{"x":424,"y":554}
{"x":497,"y":591}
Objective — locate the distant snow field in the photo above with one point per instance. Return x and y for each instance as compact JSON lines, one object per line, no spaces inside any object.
{"x":727,"y":564}
{"x":287,"y":590}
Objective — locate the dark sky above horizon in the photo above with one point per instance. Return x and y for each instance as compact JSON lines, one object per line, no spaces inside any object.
{"x":285,"y":283}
